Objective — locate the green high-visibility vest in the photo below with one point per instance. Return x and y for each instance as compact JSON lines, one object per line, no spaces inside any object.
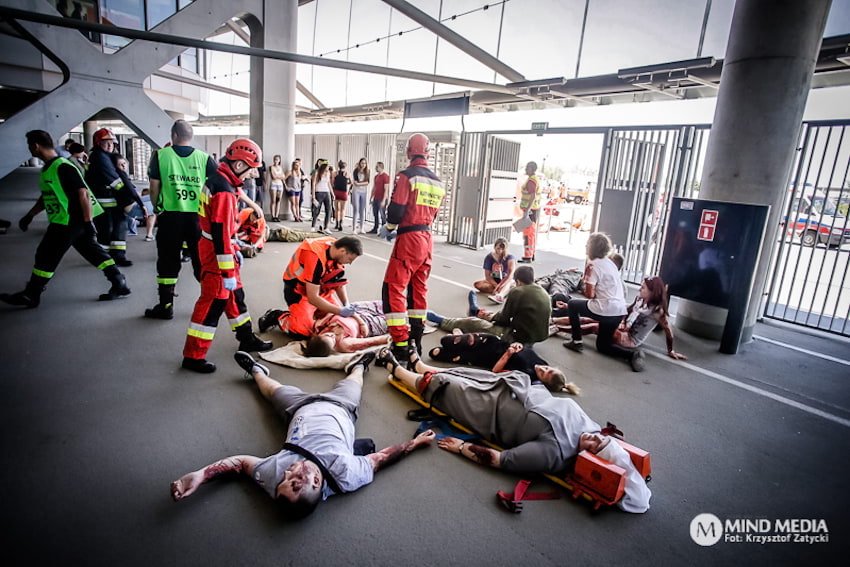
{"x":54,"y":197}
{"x":528,"y":198}
{"x":182,"y":180}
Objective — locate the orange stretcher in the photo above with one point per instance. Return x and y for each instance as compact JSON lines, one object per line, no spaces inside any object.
{"x":593,"y":479}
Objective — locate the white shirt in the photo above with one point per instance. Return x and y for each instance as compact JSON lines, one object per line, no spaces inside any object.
{"x":605,"y":277}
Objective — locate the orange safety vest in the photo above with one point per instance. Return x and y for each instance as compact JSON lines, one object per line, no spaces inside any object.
{"x":311,"y":252}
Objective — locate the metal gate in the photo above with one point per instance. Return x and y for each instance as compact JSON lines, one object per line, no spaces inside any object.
{"x":641,"y":170}
{"x":487,"y":179}
{"x":810,"y":285}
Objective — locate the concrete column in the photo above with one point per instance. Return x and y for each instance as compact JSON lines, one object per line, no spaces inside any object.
{"x":273,"y":84}
{"x":89,"y":128}
{"x":767,"y":73}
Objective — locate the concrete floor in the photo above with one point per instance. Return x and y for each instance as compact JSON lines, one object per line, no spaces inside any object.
{"x":97,"y":418}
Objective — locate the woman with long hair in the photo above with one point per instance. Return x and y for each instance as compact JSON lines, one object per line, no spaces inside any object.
{"x":293,"y":182}
{"x":359,"y":190}
{"x":321,"y":193}
{"x":341,"y":185}
{"x":276,"y":181}
{"x":647,"y":311}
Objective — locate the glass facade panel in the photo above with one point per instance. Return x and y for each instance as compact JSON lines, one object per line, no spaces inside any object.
{"x":122,"y":13}
{"x":158,"y":10}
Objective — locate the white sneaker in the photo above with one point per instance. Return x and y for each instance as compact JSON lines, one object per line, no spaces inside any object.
{"x":356,"y":231}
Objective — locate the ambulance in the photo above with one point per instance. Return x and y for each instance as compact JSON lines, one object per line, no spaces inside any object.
{"x":816,"y":218}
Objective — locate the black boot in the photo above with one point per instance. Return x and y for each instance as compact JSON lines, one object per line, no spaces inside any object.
{"x":21,"y":299}
{"x":165,"y":308}
{"x":201,"y":365}
{"x":417,"y":329}
{"x":120,"y":257}
{"x":249,"y":342}
{"x":119,"y":288}
{"x":269,"y":319}
{"x":160,"y":311}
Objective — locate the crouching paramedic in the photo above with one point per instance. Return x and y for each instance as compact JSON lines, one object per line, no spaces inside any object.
{"x":221,"y":286}
{"x":416,"y":199}
{"x":314,"y":281}
{"x":70,"y":208}
{"x":251,"y":232}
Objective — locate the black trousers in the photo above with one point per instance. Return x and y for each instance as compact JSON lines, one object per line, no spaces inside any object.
{"x":56,"y":242}
{"x":324,"y":199}
{"x":607,"y":325}
{"x":173,"y":229}
{"x":112,"y":230}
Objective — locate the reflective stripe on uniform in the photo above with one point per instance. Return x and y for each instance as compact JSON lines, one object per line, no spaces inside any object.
{"x":417,"y":313}
{"x":225,"y":261}
{"x":429,"y":192}
{"x":396,"y":319}
{"x":166,"y":281}
{"x":205,"y":234}
{"x":106,"y":264}
{"x":243,"y":318}
{"x":201,"y":331}
{"x":42,"y":273}
{"x":118,"y":245}
{"x":107,"y":203}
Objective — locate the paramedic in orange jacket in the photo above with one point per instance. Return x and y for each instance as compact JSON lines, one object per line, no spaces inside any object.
{"x":314,"y":281}
{"x":221,"y":286}
{"x":416,"y":199}
{"x":251,"y":231}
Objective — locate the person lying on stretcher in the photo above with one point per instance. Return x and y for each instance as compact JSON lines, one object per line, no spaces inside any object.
{"x":334,"y":333}
{"x":542,"y":433}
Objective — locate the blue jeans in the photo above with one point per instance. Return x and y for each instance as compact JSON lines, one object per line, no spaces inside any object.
{"x":358,"y":207}
{"x":379,"y":211}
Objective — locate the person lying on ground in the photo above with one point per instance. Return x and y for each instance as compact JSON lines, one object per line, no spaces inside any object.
{"x":334,"y":333}
{"x":524,"y":318}
{"x":541,"y":433}
{"x":488,"y":351}
{"x":648,"y":310}
{"x":317,"y":460}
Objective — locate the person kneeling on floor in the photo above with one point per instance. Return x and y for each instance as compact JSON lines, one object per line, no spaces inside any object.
{"x":313,"y":282}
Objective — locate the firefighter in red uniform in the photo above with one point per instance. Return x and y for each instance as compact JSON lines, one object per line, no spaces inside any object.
{"x":530,"y":205}
{"x":417,"y":196}
{"x":313,"y":281}
{"x":221,"y":287}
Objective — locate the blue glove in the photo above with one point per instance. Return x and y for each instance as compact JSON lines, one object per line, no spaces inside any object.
{"x":347,"y":310}
{"x":230,"y":283}
{"x":384,"y":232}
{"x":239,"y":259}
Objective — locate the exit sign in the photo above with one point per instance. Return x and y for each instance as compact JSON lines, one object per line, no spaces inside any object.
{"x":539,"y":126}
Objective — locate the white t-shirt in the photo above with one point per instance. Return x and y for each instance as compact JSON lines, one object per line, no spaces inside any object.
{"x":605,"y":277}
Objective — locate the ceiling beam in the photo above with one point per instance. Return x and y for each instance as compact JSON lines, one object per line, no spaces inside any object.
{"x":455,"y":39}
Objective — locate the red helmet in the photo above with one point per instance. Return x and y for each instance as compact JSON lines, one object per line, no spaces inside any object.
{"x":246,"y":150}
{"x":103,"y":134}
{"x":418,"y":145}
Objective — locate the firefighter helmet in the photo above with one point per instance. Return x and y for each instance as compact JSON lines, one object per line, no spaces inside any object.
{"x":246,"y":150}
{"x":103,"y":134}
{"x":418,"y":145}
